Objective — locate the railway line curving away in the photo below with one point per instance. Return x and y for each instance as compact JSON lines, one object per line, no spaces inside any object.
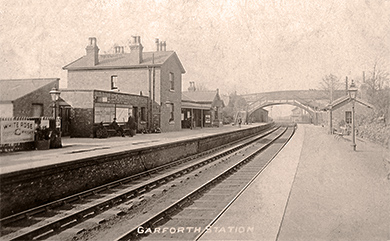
{"x":89,"y":206}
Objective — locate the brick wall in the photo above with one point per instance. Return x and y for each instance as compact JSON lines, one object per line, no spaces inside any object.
{"x":23,"y":105}
{"x":133,"y":81}
{"x":260,"y":115}
{"x":84,"y":101}
{"x":171,"y":96}
{"x":81,"y":124}
{"x":28,"y":188}
{"x":130,"y":81}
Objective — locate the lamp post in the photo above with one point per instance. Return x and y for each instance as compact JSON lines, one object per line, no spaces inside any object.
{"x":352,"y":90}
{"x":55,"y":95}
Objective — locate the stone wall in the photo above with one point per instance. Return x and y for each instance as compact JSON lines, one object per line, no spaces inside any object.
{"x":28,"y":188}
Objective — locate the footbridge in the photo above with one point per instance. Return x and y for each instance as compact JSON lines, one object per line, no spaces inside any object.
{"x":312,"y":101}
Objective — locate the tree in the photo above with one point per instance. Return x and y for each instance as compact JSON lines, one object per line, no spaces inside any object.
{"x":330,"y":83}
{"x":236,"y":103}
{"x":201,"y":87}
{"x":378,"y":91}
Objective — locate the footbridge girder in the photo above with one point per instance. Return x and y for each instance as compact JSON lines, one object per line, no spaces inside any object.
{"x":252,"y":107}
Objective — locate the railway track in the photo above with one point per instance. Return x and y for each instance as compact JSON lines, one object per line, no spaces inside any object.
{"x":195,"y":212}
{"x":55,"y":217}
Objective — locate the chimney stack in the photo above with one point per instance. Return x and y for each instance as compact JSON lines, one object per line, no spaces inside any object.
{"x":157,"y":44}
{"x":92,"y":52}
{"x":119,"y":49}
{"x":136,"y":49}
{"x":164,"y":46}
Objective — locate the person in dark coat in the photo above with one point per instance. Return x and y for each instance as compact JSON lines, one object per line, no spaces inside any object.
{"x":117,"y":128}
{"x":132,"y":125}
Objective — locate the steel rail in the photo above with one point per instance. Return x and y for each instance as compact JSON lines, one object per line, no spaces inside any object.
{"x":243,"y":189}
{"x":166,"y":213}
{"x":72,"y":216}
{"x":92,"y":191}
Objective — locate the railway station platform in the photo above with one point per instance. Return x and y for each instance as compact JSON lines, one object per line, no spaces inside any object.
{"x":79,"y":148}
{"x":317,"y":188}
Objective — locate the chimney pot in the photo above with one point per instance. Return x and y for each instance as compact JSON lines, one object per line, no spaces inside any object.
{"x":134,"y":39}
{"x":165,"y":46}
{"x":92,"y":41}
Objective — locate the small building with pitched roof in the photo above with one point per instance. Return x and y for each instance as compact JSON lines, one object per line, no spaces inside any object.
{"x":27,"y":97}
{"x":201,"y":108}
{"x":156,"y":75}
{"x":341,"y":111}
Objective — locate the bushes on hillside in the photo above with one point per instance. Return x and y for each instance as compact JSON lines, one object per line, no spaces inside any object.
{"x":374,"y":130}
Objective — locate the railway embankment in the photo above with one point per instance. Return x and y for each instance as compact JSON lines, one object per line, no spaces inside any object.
{"x":24,"y":189}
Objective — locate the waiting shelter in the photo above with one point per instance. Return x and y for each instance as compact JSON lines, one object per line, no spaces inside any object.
{"x":340,"y":112}
{"x":201,"y":109}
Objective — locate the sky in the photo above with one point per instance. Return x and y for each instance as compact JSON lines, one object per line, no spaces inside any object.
{"x":247,"y":46}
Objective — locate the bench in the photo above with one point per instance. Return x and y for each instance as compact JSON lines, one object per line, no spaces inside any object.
{"x":112,"y":132}
{"x":108,"y":131}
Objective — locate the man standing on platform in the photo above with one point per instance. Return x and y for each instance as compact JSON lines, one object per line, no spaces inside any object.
{"x":132,"y":125}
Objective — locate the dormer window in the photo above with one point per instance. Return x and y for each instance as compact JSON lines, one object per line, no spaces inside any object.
{"x":114,"y":82}
{"x":172,"y":81}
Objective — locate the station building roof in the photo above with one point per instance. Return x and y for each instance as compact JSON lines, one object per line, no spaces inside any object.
{"x":12,"y":89}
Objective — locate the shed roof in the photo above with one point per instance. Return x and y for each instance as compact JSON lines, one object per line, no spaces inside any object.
{"x":12,"y":89}
{"x":340,"y":102}
{"x":199,"y":96}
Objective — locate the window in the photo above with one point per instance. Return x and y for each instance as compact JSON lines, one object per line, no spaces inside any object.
{"x":37,"y":110}
{"x":348,"y":117}
{"x":171,"y":112}
{"x":143,"y":114}
{"x":172,"y":81}
{"x":114,"y":82}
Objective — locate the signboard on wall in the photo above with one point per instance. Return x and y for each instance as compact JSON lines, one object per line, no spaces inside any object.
{"x":104,"y":113}
{"x":45,"y":123}
{"x":122,"y":114}
{"x":16,"y":131}
{"x":207,"y":119}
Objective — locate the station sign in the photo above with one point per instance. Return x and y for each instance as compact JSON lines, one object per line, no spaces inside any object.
{"x":16,"y":131}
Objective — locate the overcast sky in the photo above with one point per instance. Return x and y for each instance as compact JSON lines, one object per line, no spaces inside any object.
{"x":245,"y":45}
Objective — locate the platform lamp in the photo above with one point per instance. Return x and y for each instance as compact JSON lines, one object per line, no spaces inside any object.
{"x":55,"y":95}
{"x":352,"y":91}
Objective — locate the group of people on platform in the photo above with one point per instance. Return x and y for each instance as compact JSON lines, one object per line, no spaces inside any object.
{"x":100,"y":131}
{"x":130,"y":123}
